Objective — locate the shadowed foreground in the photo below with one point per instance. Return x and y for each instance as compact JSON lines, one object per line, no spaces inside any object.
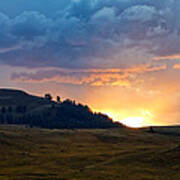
{"x":36,"y":154}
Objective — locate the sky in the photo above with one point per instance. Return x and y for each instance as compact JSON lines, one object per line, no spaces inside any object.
{"x":120,"y":57}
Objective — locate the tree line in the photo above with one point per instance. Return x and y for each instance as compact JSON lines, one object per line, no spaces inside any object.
{"x":61,"y":115}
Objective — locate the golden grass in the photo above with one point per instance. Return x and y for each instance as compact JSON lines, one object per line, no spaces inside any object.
{"x":113,"y":154}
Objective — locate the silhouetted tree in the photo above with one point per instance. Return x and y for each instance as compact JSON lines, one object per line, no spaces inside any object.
{"x":9,"y":119}
{"x":9,"y":109}
{"x":2,"y":119}
{"x":53,"y":106}
{"x":151,"y":130}
{"x":18,"y":109}
{"x":3,"y":109}
{"x":58,"y":99}
{"x":21,"y":109}
{"x":48,"y":97}
{"x":68,"y":102}
{"x":24,"y":109}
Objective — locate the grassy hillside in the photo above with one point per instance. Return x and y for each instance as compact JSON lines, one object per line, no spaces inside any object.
{"x":18,"y":107}
{"x":112,"y":154}
{"x":10,"y":97}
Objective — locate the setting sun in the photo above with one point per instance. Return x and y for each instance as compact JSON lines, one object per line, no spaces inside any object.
{"x":134,"y":122}
{"x":136,"y":119}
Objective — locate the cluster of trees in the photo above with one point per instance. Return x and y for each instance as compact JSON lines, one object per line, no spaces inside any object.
{"x":66,"y":114}
{"x":12,"y":115}
{"x":49,"y":98}
{"x":10,"y":109}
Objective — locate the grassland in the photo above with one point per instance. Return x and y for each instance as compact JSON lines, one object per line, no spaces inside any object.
{"x":112,"y":154}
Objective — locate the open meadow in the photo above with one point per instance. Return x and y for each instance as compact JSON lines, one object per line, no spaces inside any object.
{"x":37,"y":154}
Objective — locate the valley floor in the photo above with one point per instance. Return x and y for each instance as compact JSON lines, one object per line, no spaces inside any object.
{"x":112,"y":154}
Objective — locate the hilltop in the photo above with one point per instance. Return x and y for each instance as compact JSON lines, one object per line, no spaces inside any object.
{"x":11,"y":97}
{"x":19,"y":107}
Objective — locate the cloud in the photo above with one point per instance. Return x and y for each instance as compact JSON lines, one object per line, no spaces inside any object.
{"x":91,"y":33}
{"x":139,"y":13}
{"x":170,"y":57}
{"x":7,"y":40}
{"x":29,"y":25}
{"x":176,"y":66}
{"x":93,"y":77}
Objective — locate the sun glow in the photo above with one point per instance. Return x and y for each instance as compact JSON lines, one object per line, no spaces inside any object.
{"x":137,"y":119}
{"x":134,"y":122}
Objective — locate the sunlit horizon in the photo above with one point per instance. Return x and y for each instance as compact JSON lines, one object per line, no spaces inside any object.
{"x":143,"y":119}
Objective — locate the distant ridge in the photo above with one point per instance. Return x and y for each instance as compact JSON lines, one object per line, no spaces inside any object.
{"x":12,"y":91}
{"x":18,"y":107}
{"x":13,"y":97}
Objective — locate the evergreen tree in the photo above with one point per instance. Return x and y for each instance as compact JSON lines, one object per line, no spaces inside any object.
{"x":9,"y":109}
{"x":48,"y":97}
{"x":3,"y":109}
{"x":58,"y":99}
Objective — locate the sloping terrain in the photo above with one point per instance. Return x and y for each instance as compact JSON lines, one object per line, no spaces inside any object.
{"x":111,"y":154}
{"x":10,"y":97}
{"x":18,"y":107}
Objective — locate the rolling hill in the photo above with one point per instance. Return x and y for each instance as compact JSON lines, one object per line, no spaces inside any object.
{"x":18,"y":107}
{"x":10,"y":97}
{"x":90,"y":154}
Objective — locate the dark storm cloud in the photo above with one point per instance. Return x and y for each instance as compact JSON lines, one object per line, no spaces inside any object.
{"x":46,"y":7}
{"x":87,"y":33}
{"x":29,"y":25}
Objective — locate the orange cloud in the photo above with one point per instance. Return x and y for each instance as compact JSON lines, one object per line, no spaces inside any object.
{"x":176,"y":66}
{"x":170,"y":57}
{"x":93,"y":77}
